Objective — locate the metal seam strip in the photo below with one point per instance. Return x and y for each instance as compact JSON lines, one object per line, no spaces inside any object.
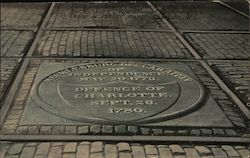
{"x":124,"y":138}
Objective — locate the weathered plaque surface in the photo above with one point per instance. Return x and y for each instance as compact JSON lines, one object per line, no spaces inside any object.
{"x":117,"y":92}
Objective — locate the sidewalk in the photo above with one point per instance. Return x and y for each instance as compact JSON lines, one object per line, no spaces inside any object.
{"x":141,"y":80}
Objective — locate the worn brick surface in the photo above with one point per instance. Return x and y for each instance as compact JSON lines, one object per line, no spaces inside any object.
{"x":15,"y":43}
{"x":109,"y":150}
{"x":8,"y":69}
{"x":237,"y":76}
{"x":106,"y":15}
{"x":111,"y":44}
{"x":220,"y":46}
{"x":202,"y":16}
{"x":21,"y":15}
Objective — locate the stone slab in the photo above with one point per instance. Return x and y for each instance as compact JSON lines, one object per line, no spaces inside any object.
{"x":22,"y":15}
{"x":126,"y":44}
{"x":175,"y":107}
{"x":202,"y":16}
{"x":116,"y":15}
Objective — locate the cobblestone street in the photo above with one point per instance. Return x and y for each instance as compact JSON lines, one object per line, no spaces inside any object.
{"x":132,"y":79}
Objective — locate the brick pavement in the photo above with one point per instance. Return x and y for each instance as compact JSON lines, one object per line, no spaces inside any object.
{"x":14,"y":15}
{"x":220,"y":46}
{"x":15,"y":43}
{"x":8,"y":69}
{"x":126,"y":30}
{"x":98,"y":149}
{"x":111,"y":44}
{"x":202,"y":16}
{"x":237,"y":75}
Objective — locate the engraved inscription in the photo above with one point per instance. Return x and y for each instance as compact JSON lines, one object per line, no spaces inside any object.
{"x":116,"y":92}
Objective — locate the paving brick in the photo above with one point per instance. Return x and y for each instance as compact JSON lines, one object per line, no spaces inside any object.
{"x":231,"y":152}
{"x":42,"y":149}
{"x":15,"y":149}
{"x":33,"y":130}
{"x":132,"y":129}
{"x":8,"y":68}
{"x":138,"y":151}
{"x":28,"y":152}
{"x":20,"y":15}
{"x":123,"y":147}
{"x":206,"y":131}
{"x":110,"y":151}
{"x":177,"y":149}
{"x":165,"y":152}
{"x":46,"y":129}
{"x":83,"y":129}
{"x":220,"y":46}
{"x":83,"y":151}
{"x":15,"y":43}
{"x":68,"y":155}
{"x":125,"y":155}
{"x":218,"y":131}
{"x":244,"y":152}
{"x":195,"y":132}
{"x":219,"y":153}
{"x":145,"y":131}
{"x":191,"y":153}
{"x":120,"y":129}
{"x":58,"y":129}
{"x":118,"y":44}
{"x":55,"y":152}
{"x":96,"y":155}
{"x":203,"y":150}
{"x":157,"y":131}
{"x":96,"y":147}
{"x":108,"y":129}
{"x":151,"y":150}
{"x":70,"y":147}
{"x":70,"y":130}
{"x":236,"y":75}
{"x":95,"y":129}
{"x":202,"y":15}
